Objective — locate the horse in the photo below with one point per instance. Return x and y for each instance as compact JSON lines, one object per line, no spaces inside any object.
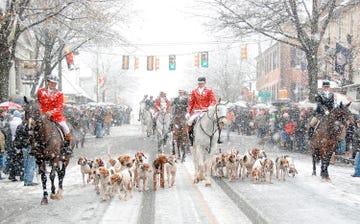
{"x":147,"y":122}
{"x":180,"y":135}
{"x":47,"y":143}
{"x":163,"y":122}
{"x":206,"y":130}
{"x":324,"y":141}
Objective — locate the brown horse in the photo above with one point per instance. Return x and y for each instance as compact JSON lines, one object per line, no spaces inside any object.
{"x":47,"y":144}
{"x":180,"y":136}
{"x":325,"y":139}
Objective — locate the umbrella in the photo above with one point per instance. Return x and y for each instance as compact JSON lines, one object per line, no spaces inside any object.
{"x":241,"y":103}
{"x":306,"y":104}
{"x":10,"y":105}
{"x":261,"y":106}
{"x":342,"y":98}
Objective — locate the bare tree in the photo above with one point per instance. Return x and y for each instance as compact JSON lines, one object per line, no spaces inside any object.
{"x":299,"y":23}
{"x":229,"y":74}
{"x":56,"y":24}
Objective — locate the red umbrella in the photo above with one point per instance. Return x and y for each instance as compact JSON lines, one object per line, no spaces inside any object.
{"x":10,"y":105}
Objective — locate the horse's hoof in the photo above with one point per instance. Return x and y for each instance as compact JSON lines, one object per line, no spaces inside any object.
{"x":44,"y":201}
{"x":208,"y":185}
{"x":326,"y":179}
{"x":196,"y":180}
{"x":53,"y":196}
{"x":58,"y":196}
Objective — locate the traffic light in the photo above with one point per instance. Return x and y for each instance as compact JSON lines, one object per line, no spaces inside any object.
{"x":244,"y":54}
{"x":157,"y":63}
{"x":125,"y":62}
{"x":172,"y":62}
{"x":136,"y":63}
{"x":150,"y":63}
{"x":204,"y":59}
{"x":196,"y":60}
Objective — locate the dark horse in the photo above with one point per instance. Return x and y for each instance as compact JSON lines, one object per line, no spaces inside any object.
{"x":47,"y":143}
{"x":326,"y":136}
{"x":180,"y":136}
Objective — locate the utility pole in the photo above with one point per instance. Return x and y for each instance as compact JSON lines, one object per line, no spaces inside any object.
{"x":97,"y":76}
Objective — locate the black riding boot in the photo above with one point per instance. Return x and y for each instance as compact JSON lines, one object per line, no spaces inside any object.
{"x":67,"y":148}
{"x":219,"y":138}
{"x":191,"y":136}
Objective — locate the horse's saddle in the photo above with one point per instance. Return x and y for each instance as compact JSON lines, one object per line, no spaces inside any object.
{"x":60,"y":130}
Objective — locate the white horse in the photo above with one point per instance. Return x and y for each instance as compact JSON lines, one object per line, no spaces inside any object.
{"x":163,"y":122}
{"x":147,"y":122}
{"x":205,"y":141}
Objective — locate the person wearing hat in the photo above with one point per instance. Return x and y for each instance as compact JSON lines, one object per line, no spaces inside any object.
{"x":159,"y":101}
{"x":51,"y":102}
{"x":180,"y":103}
{"x":325,"y":101}
{"x":356,"y":148}
{"x":142,"y":102}
{"x":14,"y":156}
{"x":200,"y":99}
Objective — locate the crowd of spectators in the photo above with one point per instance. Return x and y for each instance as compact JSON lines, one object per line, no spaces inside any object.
{"x":15,"y":160}
{"x":287,"y":125}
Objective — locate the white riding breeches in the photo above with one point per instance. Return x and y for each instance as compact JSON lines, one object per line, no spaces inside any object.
{"x":64,"y":127}
{"x":193,"y":117}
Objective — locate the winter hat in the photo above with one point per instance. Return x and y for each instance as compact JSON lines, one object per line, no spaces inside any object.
{"x":17,"y":113}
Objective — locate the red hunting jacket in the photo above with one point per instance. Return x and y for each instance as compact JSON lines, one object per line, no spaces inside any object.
{"x":201,"y":101}
{"x":53,"y":102}
{"x":158,"y":106}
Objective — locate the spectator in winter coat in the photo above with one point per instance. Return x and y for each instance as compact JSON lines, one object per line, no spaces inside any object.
{"x":99,"y":119}
{"x":22,"y":142}
{"x":356,"y":149}
{"x":260,"y":124}
{"x":300,"y":132}
{"x":15,"y":155}
{"x":230,"y":117}
{"x":2,"y":140}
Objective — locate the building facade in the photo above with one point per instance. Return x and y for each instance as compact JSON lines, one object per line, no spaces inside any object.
{"x":282,"y":72}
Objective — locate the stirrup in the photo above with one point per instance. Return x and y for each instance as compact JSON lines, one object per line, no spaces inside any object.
{"x":68,"y":151}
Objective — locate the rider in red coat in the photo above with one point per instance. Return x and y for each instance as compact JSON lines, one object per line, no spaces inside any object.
{"x":159,"y":100}
{"x":200,"y":100}
{"x":51,"y":102}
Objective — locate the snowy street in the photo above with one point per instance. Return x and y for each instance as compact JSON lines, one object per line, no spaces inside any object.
{"x":302,"y":199}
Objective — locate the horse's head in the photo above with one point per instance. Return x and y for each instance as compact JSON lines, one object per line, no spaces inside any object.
{"x":219,"y":111}
{"x":163,"y":106}
{"x":341,"y":113}
{"x":32,"y":111}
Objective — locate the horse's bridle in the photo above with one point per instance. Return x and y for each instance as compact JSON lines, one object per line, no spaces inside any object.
{"x":215,"y":121}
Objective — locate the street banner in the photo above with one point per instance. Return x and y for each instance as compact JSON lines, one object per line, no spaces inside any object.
{"x":341,"y":58}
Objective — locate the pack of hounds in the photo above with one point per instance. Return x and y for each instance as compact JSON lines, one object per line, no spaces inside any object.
{"x":252,"y":164}
{"x":119,"y":176}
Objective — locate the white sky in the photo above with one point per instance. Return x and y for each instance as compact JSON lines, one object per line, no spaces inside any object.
{"x":161,"y":28}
